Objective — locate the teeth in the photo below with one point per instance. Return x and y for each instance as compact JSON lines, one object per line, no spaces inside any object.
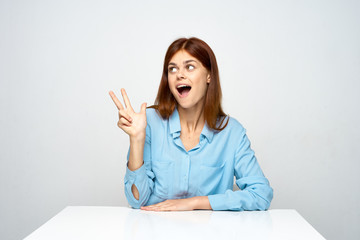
{"x":181,"y":86}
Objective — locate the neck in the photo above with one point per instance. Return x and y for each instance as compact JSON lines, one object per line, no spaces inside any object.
{"x":191,"y":120}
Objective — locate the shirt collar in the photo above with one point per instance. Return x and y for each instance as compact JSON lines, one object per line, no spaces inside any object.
{"x":174,"y":124}
{"x":175,"y":127}
{"x":208,"y":133}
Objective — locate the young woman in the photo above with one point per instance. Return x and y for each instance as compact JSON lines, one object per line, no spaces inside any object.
{"x":185,"y":151}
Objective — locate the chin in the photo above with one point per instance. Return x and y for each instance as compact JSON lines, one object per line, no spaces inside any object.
{"x":182,"y":105}
{"x":186,"y":105}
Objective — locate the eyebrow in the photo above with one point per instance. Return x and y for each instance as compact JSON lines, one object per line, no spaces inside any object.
{"x":185,"y":62}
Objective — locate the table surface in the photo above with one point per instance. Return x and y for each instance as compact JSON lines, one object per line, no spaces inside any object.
{"x":82,"y":222}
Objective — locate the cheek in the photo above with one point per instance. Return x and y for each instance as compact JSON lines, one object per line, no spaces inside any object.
{"x":171,"y":81}
{"x":202,"y":81}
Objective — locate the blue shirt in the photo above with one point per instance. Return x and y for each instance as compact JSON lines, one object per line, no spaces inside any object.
{"x":171,"y":172}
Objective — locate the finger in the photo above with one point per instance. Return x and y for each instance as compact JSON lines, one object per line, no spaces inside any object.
{"x":165,"y":208}
{"x":116,"y":100}
{"x":154,"y":209}
{"x":126,"y":99}
{"x":123,"y":126}
{"x":124,"y":114}
{"x":158,"y":204}
{"x":124,"y":122}
{"x":157,"y":207}
{"x":143,"y":108}
{"x":150,"y":207}
{"x":146,"y":208}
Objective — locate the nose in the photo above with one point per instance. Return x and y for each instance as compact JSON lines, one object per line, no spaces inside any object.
{"x":181,"y":74}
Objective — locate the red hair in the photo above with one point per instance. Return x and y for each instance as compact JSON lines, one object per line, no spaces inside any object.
{"x":165,"y":102}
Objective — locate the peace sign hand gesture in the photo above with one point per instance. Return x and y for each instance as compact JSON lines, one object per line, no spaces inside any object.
{"x":132,"y":123}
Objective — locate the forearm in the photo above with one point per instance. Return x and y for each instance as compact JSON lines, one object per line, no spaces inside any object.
{"x":136,"y":159}
{"x":255,"y":197}
{"x":136,"y":153}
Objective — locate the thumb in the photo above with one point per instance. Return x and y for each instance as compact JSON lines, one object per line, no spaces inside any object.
{"x":143,"y":108}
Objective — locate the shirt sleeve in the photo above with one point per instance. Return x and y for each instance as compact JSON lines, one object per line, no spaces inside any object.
{"x":142,"y":177}
{"x":255,"y":192}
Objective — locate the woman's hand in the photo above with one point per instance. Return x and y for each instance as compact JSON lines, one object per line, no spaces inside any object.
{"x":186,"y":204}
{"x":132,"y":123}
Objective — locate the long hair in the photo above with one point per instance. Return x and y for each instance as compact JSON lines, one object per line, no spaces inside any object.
{"x":165,"y":102}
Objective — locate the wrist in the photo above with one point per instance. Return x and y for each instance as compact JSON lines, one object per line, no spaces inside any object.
{"x":201,"y":202}
{"x":138,"y":138}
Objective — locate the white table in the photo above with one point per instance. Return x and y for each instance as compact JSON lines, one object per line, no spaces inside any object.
{"x":126,"y":223}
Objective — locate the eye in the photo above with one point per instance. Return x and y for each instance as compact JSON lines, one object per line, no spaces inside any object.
{"x":172,"y":69}
{"x":190,"y":67}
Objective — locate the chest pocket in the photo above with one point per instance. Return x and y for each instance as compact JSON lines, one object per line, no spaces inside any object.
{"x":211,"y":177}
{"x":162,"y":171}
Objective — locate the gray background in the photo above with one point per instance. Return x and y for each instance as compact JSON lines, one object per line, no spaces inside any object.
{"x":289,"y":70}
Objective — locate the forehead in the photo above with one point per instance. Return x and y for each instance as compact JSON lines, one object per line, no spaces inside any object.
{"x":182,"y":56}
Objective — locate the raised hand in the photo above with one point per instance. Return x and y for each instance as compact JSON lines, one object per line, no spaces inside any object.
{"x":132,"y":123}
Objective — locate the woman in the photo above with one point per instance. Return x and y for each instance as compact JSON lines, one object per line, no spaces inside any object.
{"x":184,"y":151}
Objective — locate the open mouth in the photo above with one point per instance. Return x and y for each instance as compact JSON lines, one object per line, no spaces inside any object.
{"x":183,"y":90}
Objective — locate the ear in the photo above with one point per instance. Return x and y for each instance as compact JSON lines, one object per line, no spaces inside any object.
{"x":208,"y":78}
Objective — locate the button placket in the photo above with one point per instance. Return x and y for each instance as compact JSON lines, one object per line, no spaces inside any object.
{"x":185,"y":173}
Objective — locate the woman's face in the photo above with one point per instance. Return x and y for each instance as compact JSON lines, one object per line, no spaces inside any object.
{"x":188,"y":80}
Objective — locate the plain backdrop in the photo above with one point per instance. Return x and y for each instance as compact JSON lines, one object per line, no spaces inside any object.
{"x":290,"y":73}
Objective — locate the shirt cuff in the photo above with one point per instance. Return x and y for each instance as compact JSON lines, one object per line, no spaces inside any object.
{"x":133,"y":175}
{"x":217,"y":202}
